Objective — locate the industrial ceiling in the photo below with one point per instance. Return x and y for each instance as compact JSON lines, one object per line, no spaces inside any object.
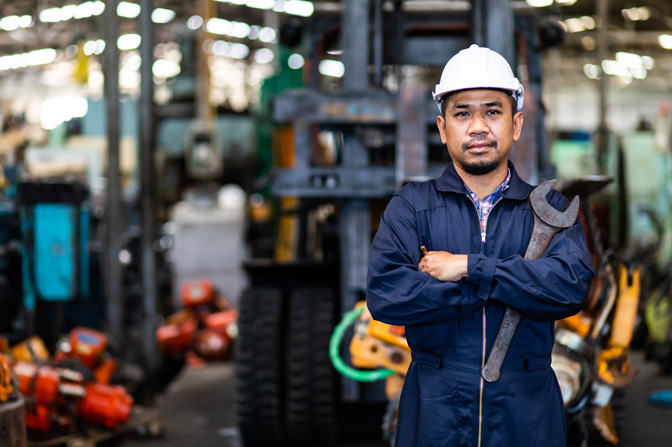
{"x":634,"y":26}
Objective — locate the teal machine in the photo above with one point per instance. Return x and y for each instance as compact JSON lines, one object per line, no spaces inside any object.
{"x":54,"y":225}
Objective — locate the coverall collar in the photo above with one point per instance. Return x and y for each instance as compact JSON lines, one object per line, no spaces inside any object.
{"x":450,"y":181}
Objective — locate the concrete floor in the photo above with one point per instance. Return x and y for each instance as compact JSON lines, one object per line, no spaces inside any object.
{"x":198,"y":410}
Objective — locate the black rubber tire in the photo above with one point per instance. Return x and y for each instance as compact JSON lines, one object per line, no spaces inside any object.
{"x":311,"y":379}
{"x":259,"y":367}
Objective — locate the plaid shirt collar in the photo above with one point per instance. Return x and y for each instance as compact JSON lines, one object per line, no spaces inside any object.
{"x":485,"y":205}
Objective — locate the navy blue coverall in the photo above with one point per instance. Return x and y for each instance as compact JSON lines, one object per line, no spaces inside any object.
{"x":451,"y":326}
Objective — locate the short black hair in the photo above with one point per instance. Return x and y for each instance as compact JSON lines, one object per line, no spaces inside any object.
{"x":512,"y":101}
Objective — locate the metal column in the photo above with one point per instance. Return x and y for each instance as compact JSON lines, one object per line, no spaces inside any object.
{"x":111,"y":264}
{"x":602,"y":50}
{"x":146,"y":152}
{"x":492,"y":25}
{"x":355,"y":225}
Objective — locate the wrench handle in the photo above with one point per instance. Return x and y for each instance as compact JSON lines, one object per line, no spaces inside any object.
{"x":507,"y":330}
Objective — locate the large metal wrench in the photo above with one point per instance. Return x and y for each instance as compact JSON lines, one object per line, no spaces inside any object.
{"x":547,"y":222}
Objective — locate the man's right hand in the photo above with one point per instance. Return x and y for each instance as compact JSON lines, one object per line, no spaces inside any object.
{"x":444,"y":266}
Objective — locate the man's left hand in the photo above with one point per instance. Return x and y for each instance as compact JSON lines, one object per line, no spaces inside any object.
{"x":444,"y":266}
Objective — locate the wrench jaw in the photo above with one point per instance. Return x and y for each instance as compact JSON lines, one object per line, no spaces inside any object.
{"x":545,"y":211}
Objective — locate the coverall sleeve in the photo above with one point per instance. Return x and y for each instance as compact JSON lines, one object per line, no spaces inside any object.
{"x":551,"y":287}
{"x":397,"y":293}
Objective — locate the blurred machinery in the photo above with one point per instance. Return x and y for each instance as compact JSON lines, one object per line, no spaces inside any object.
{"x":12,"y":410}
{"x":339,"y":155}
{"x":45,"y":256}
{"x":206,"y":325}
{"x":71,"y":390}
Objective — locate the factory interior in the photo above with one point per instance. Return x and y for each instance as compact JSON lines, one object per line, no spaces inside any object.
{"x":190,"y":189}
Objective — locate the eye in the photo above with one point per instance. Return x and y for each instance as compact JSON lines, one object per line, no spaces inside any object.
{"x":493,"y":112}
{"x":460,"y":114}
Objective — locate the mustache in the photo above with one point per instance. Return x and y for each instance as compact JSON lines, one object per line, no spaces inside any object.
{"x":479,"y":140}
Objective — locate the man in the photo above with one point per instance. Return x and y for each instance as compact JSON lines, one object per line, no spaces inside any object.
{"x":475,"y":223}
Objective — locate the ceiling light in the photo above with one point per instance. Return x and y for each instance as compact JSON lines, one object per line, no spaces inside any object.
{"x":71,"y":51}
{"x":41,"y":57}
{"x":588,"y":22}
{"x":615,"y":68}
{"x":98,"y":7}
{"x":295,"y":61}
{"x":238,"y":51}
{"x":194,"y":22}
{"x":575,"y":25}
{"x":665,"y":41}
{"x":68,"y":12}
{"x":636,"y":14}
{"x":260,"y":4}
{"x":128,"y":10}
{"x":50,"y":15}
{"x":162,"y":15}
{"x":128,"y":42}
{"x":565,"y":2}
{"x":25,"y":21}
{"x":539,"y":3}
{"x":300,"y":8}
{"x":218,"y":26}
{"x":592,"y":71}
{"x":163,"y":68}
{"x":648,"y":62}
{"x":267,"y":34}
{"x":629,"y":59}
{"x":333,"y":68}
{"x":84,"y":10}
{"x":10,"y":23}
{"x":220,"y":48}
{"x":264,"y":56}
{"x":254,"y":32}
{"x":239,"y":30}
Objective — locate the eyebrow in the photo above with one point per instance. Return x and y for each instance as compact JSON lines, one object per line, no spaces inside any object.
{"x":485,"y":104}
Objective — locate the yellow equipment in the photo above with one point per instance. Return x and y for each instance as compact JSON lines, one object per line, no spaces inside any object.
{"x":378,"y":345}
{"x":5,"y":380}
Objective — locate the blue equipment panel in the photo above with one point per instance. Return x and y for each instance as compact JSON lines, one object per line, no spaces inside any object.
{"x":55,"y":251}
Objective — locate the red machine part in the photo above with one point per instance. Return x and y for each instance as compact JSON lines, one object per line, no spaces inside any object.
{"x":95,"y":404}
{"x":206,"y":325}
{"x":106,"y":405}
{"x":178,"y":335}
{"x":197,"y":292}
{"x":212,"y":345}
{"x":88,"y":346}
{"x":38,"y":382}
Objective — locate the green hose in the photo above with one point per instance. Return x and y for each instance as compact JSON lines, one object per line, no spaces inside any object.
{"x":337,"y":361}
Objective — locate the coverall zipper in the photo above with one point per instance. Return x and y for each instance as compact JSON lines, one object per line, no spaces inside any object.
{"x":484,"y":230}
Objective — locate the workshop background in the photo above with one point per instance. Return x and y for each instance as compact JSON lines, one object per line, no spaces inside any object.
{"x":189,"y":190}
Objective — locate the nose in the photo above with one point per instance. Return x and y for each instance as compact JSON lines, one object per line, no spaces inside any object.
{"x":478,"y":126}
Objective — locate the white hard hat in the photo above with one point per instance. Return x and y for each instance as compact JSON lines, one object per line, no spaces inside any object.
{"x":477,"y":67}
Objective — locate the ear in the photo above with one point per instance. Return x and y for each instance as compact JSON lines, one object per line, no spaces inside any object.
{"x":517,"y":125}
{"x":441,"y":124}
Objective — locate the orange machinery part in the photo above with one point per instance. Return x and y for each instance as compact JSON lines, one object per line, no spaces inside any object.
{"x":88,"y":346}
{"x":5,"y":380}
{"x":177,"y":337}
{"x":107,"y":405}
{"x":220,"y":321}
{"x":197,"y":292}
{"x":39,"y":382}
{"x":38,"y":418}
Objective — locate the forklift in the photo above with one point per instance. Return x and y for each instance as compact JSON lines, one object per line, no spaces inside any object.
{"x":341,"y":151}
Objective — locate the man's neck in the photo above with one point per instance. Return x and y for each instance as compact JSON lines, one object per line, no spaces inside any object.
{"x":484,"y":185}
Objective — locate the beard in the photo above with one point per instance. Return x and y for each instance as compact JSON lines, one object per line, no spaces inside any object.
{"x":480,"y":167}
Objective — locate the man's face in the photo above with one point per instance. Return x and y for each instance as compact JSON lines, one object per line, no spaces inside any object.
{"x":479,"y":130}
